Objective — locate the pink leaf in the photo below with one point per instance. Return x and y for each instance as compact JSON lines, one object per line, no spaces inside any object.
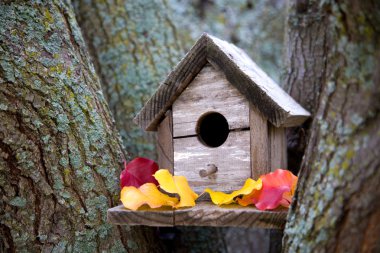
{"x":138,"y":172}
{"x":278,"y":189}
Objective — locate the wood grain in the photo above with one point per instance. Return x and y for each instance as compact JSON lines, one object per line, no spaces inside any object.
{"x":232,"y":159}
{"x":203,"y":214}
{"x":159,"y":217}
{"x":259,"y":89}
{"x":209,"y":92}
{"x":165,"y":149}
{"x":185,"y":71}
{"x":259,"y":143}
{"x":208,"y":214}
{"x":277,"y":148}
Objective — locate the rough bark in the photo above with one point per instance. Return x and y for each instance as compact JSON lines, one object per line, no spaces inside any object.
{"x":133,"y":44}
{"x":336,"y":206}
{"x":59,"y":152}
{"x":305,"y":68}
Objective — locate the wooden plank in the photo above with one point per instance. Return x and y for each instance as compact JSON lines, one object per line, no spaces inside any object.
{"x":165,"y":143}
{"x":208,"y":214}
{"x":159,"y":217}
{"x":278,"y":148}
{"x":259,"y":89}
{"x":203,"y":214}
{"x":209,"y":92}
{"x":259,"y":143}
{"x":231,"y":158}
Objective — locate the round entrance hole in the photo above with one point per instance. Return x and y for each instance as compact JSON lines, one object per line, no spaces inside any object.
{"x":212,"y":129}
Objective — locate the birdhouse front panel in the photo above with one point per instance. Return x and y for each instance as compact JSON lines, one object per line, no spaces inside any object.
{"x":211,"y":135}
{"x":210,"y":91}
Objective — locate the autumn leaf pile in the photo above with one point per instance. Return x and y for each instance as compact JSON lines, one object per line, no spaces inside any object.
{"x":142,"y":183}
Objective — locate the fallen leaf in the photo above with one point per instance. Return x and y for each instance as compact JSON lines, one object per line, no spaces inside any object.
{"x":221,"y":198}
{"x":133,"y":198}
{"x":176,"y":185}
{"x":138,"y":172}
{"x":278,"y":189}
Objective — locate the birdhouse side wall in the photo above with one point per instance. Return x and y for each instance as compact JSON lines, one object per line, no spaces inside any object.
{"x":277,"y":148}
{"x":259,"y":139}
{"x":164,"y":142}
{"x":268,"y":145}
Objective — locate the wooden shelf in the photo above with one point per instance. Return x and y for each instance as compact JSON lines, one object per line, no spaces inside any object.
{"x":203,"y":214}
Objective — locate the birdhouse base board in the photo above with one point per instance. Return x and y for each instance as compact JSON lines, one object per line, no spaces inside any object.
{"x":203,"y":214}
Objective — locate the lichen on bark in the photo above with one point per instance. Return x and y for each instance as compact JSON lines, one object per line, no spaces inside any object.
{"x":336,"y":204}
{"x":59,"y":151}
{"x":134,"y":45}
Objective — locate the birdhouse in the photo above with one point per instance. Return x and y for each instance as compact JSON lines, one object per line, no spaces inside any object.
{"x":220,"y":119}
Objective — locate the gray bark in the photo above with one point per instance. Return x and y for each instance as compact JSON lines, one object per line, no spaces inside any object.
{"x":134,"y":45}
{"x":334,"y":66}
{"x":60,"y":155}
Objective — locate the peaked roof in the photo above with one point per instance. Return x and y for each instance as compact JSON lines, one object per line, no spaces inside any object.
{"x":260,"y":90}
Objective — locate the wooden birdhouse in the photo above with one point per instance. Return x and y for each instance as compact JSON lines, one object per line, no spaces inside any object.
{"x":219,"y":119}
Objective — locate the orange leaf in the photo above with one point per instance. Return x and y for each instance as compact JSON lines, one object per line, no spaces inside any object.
{"x":278,"y":189}
{"x":132,"y":197}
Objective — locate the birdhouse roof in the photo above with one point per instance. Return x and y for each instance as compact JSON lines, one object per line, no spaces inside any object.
{"x":243,"y":73}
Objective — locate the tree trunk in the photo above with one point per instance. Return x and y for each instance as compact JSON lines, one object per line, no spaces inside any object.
{"x":59,"y":152}
{"x":334,"y":71}
{"x":134,"y":45}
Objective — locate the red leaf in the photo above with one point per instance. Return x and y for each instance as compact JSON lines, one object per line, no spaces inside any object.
{"x":278,"y":189}
{"x":138,"y":172}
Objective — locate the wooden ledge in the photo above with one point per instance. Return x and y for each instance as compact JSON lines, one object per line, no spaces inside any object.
{"x":203,"y":214}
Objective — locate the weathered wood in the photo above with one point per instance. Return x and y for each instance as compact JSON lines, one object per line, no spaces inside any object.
{"x":259,"y":143}
{"x":165,"y":143}
{"x":149,"y":117}
{"x":259,"y":89}
{"x":277,"y":148}
{"x":203,"y":214}
{"x":232,"y":160}
{"x":208,"y":214}
{"x":209,"y":92}
{"x":159,"y":217}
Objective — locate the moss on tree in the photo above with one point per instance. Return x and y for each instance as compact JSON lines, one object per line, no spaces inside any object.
{"x":59,"y":152}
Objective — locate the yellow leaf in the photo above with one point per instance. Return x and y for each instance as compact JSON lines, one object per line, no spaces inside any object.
{"x":186,"y":194}
{"x":132,"y":197}
{"x":221,"y":198}
{"x":165,"y":180}
{"x":177,"y":185}
{"x":157,"y":198}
